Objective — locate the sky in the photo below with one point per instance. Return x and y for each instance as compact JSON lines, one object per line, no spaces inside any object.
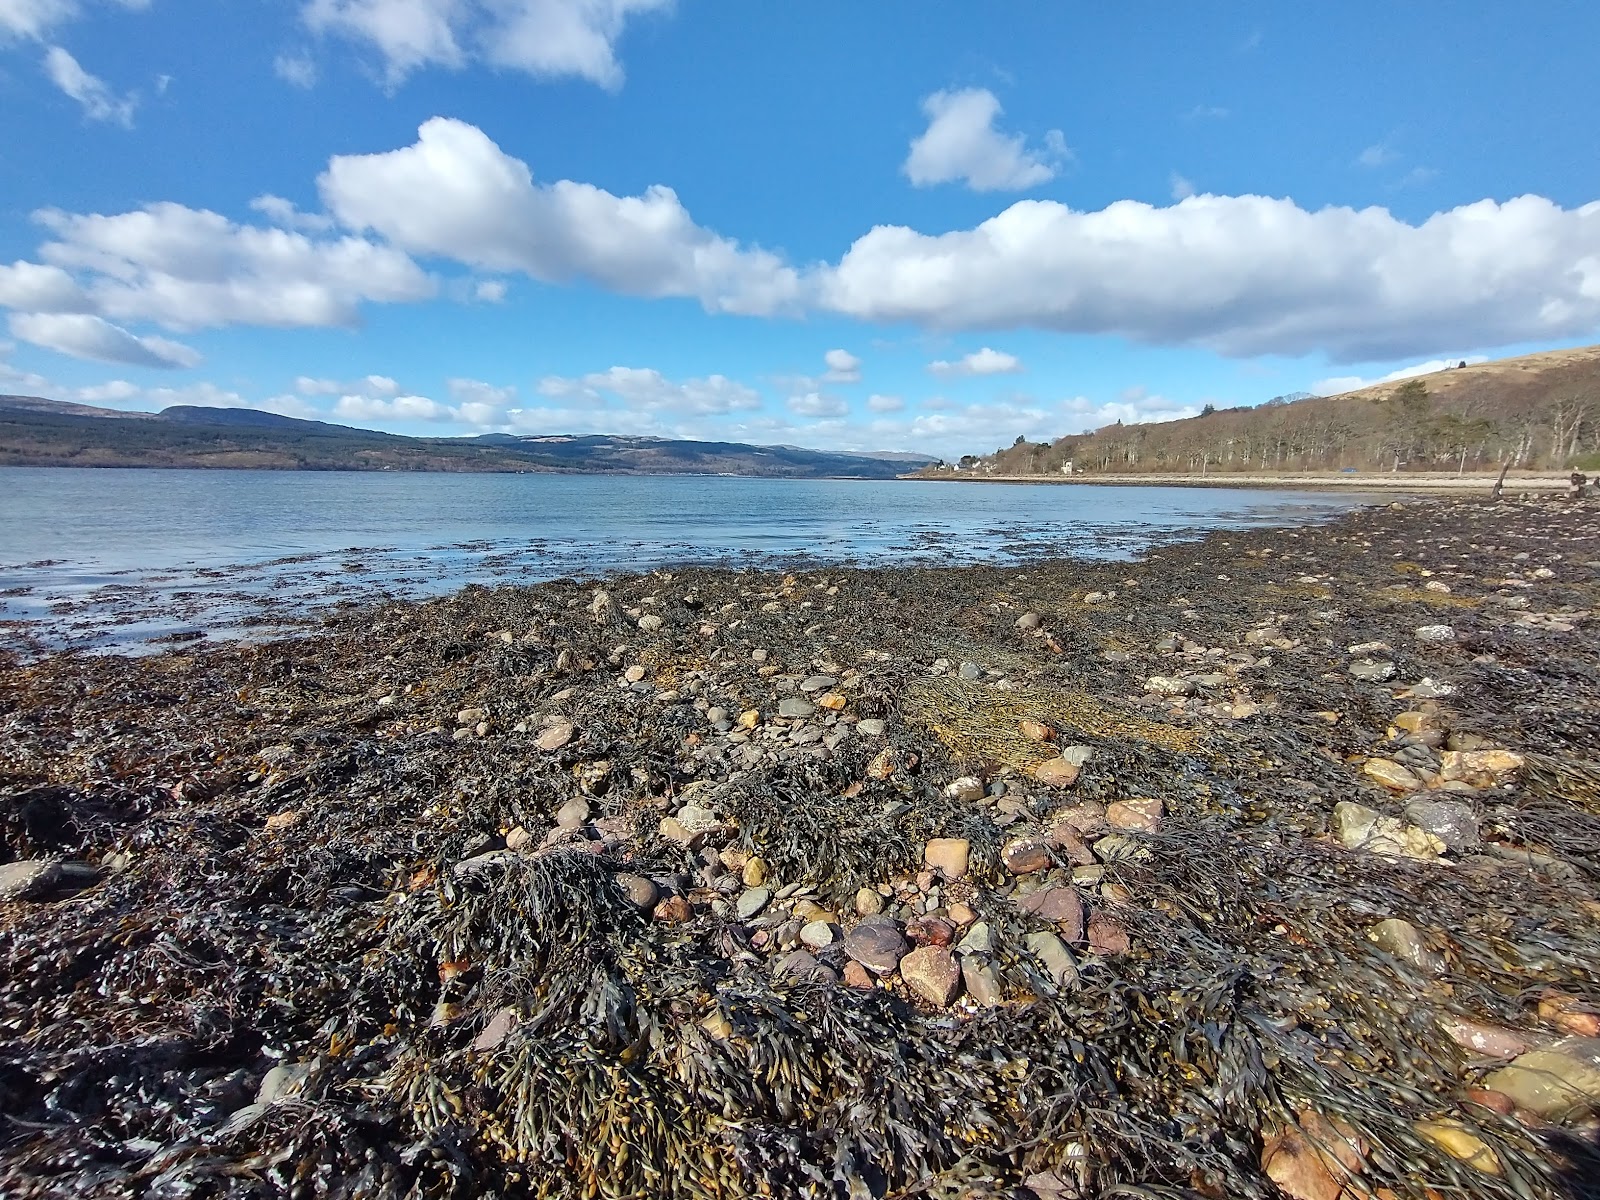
{"x":905,"y":225}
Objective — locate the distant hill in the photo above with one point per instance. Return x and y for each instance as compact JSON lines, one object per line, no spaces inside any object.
{"x":38,"y":432}
{"x":1538,"y":412}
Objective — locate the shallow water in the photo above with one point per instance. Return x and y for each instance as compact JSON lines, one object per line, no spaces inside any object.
{"x":117,"y":557}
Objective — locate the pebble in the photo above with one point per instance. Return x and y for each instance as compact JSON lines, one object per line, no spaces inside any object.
{"x":948,"y":855}
{"x":1168,"y":685}
{"x":817,"y":935}
{"x":1035,"y":731}
{"x":1027,"y":856}
{"x":876,"y":944}
{"x":966,"y":789}
{"x":1429,"y":689}
{"x":1029,"y":621}
{"x":868,"y":903}
{"x":641,"y":892}
{"x":555,"y":736}
{"x":803,"y":965}
{"x":981,"y":982}
{"x":1451,"y":821}
{"x":795,"y":708}
{"x":752,"y":901}
{"x":817,"y":683}
{"x":1057,"y":772}
{"x":871,"y":727}
{"x":1479,"y":768}
{"x":1107,"y":936}
{"x":754,"y":872}
{"x":1372,"y":670}
{"x":574,"y":814}
{"x":970,"y":671}
{"x":1403,"y":940}
{"x":1056,"y":902}
{"x":674,"y":910}
{"x":1361,"y":828}
{"x":931,"y":972}
{"x":1435,"y":633}
{"x":1053,"y":954}
{"x":1390,"y":775}
{"x":978,"y":940}
{"x":1143,"y":814}
{"x":857,"y":976}
{"x":650,"y":622}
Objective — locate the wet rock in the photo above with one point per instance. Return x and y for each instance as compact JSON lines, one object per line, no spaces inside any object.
{"x":1429,"y":689}
{"x":1025,"y":857}
{"x":1490,"y":1041}
{"x":496,"y":1031}
{"x":931,"y":972}
{"x":641,"y":892}
{"x":284,"y":1082}
{"x":1035,"y":731}
{"x":876,"y":944}
{"x":817,"y":935}
{"x":754,"y":872}
{"x":1390,"y":774}
{"x":948,"y":855}
{"x":1479,"y":768}
{"x":978,"y":940}
{"x":1361,"y":828}
{"x":674,"y":910}
{"x":968,"y":789}
{"x":1451,"y":821}
{"x":1403,"y":940}
{"x":555,"y":736}
{"x":752,"y":901}
{"x":1372,"y":670}
{"x":1057,"y":772}
{"x":1300,"y":1169}
{"x":31,"y":879}
{"x":1057,"y":902}
{"x":930,"y":931}
{"x":981,"y":982}
{"x":1107,"y":936}
{"x":1459,"y":1142}
{"x":1142,"y":815}
{"x":970,"y":671}
{"x":574,"y":814}
{"x":1054,"y":956}
{"x":1554,"y":1083}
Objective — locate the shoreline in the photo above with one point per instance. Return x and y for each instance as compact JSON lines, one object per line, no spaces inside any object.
{"x":1378,"y":482}
{"x":710,"y":881}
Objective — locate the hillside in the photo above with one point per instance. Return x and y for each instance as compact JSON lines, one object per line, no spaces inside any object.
{"x":1537,"y":412}
{"x":39,"y":432}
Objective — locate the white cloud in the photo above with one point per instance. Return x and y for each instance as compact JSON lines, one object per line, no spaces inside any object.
{"x":284,"y":214}
{"x":480,"y":404}
{"x":818,"y":404}
{"x":98,"y":101}
{"x":297,"y":70}
{"x":83,"y":335}
{"x":457,"y":194}
{"x":1207,"y":112}
{"x":395,"y":408}
{"x":1242,"y":275}
{"x":885,"y":404}
{"x":34,"y":18}
{"x":307,"y":386}
{"x":961,"y":143}
{"x":645,"y":388}
{"x":37,"y":288}
{"x":189,"y":268}
{"x":1182,"y":188}
{"x":1378,"y":155}
{"x":490,"y":291}
{"x":546,"y":38}
{"x":979,"y":362}
{"x":1349,"y":383}
{"x":843,"y":367}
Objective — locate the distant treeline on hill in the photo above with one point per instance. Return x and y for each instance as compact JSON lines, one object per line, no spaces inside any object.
{"x":1540,"y":412}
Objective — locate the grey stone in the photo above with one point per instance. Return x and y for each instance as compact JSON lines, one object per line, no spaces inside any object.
{"x":817,"y":683}
{"x":1435,"y":633}
{"x":574,"y":814}
{"x":971,"y":671}
{"x":1372,"y":670}
{"x":1451,"y":821}
{"x":817,"y":935}
{"x":1029,"y":621}
{"x":31,"y":879}
{"x":871,"y":727}
{"x":803,"y":965}
{"x":795,"y":708}
{"x":1052,"y":952}
{"x":752,"y":901}
{"x":979,"y":940}
{"x":284,"y":1082}
{"x":982,"y":984}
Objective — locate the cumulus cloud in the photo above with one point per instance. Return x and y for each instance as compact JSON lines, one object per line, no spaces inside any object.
{"x":545,"y":38}
{"x":286,"y":215}
{"x":843,"y":367}
{"x":94,"y":95}
{"x":391,"y":408}
{"x":190,"y":268}
{"x":455,"y":193}
{"x":646,"y":389}
{"x":885,"y":404}
{"x":979,"y":362}
{"x":1349,"y":383}
{"x":83,"y":335}
{"x":818,"y":405}
{"x":38,"y":288}
{"x":962,"y":144}
{"x":1242,"y":275}
{"x":490,"y":291}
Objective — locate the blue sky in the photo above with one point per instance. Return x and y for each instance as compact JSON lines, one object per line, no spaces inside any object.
{"x":910,"y":224}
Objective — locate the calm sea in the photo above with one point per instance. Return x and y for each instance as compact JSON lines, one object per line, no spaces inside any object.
{"x":115,"y":557}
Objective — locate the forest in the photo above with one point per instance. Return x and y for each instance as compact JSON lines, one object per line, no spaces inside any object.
{"x":1541,"y":412}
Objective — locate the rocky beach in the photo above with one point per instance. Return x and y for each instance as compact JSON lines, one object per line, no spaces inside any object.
{"x":1268,"y":865}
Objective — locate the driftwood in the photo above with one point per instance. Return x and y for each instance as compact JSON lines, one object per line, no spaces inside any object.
{"x":1501,"y":482}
